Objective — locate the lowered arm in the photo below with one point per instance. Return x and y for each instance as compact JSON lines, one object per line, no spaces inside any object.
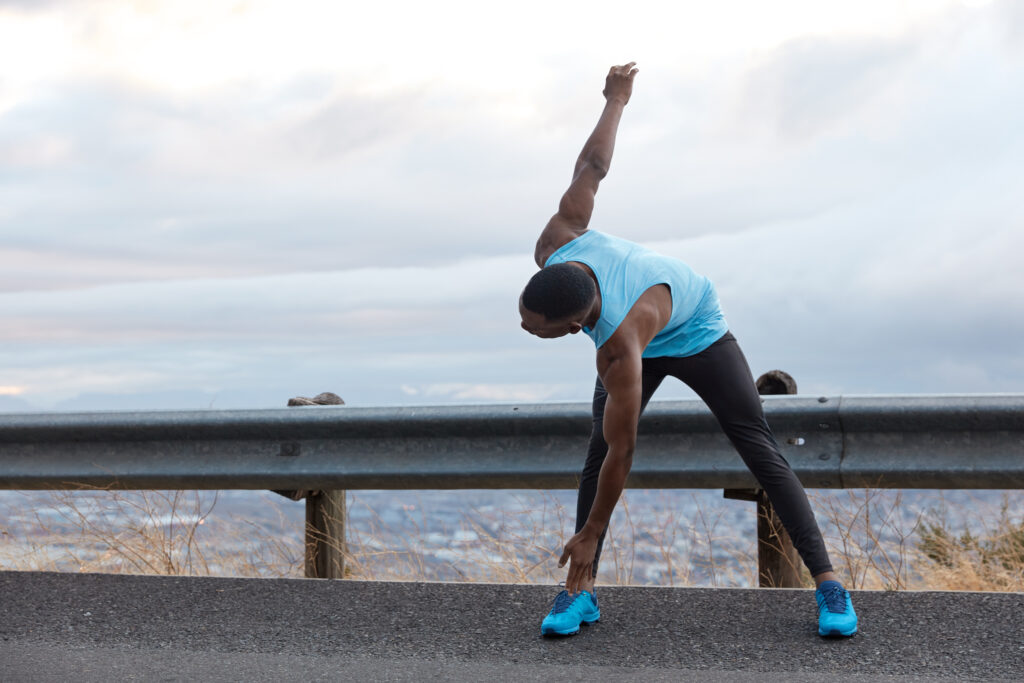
{"x":620,"y":366}
{"x":621,"y":375}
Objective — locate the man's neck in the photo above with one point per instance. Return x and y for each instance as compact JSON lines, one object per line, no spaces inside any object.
{"x":594,"y":314}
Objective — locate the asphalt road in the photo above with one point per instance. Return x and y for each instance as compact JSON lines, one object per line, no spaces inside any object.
{"x":92,"y":627}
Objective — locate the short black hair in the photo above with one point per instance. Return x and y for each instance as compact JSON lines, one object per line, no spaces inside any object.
{"x":559,"y":291}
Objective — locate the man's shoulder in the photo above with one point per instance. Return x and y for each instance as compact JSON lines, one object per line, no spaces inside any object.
{"x":556,"y":235}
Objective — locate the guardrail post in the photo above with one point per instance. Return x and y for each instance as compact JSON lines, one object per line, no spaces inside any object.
{"x":325,"y":535}
{"x":325,"y":514}
{"x":778,"y":563}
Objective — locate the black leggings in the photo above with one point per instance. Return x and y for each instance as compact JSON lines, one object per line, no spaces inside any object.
{"x":720,"y":375}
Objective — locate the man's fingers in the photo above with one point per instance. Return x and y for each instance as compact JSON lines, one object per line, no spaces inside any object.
{"x":572,"y":581}
{"x":577,"y":574}
{"x":564,"y":558}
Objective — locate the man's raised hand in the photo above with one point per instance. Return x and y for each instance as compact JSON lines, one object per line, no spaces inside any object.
{"x":619,"y":83}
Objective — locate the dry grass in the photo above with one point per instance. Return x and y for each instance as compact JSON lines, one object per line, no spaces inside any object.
{"x":514,"y":547}
{"x":869,"y":543}
{"x":874,"y":542}
{"x":143,"y":532}
{"x":992,"y":560}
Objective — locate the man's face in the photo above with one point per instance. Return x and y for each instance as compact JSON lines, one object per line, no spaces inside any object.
{"x":538,"y":325}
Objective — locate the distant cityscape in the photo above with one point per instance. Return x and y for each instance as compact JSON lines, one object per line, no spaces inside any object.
{"x":659,"y":537}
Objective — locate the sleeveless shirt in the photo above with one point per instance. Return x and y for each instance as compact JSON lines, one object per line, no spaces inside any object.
{"x":624,"y":271}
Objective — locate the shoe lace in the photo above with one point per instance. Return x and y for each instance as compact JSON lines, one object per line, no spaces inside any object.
{"x":835,"y":599}
{"x":562,"y":602}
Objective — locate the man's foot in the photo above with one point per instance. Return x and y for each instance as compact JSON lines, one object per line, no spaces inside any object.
{"x":568,"y":612}
{"x":835,"y":610}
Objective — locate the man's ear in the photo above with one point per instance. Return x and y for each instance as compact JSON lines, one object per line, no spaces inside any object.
{"x":575,"y":327}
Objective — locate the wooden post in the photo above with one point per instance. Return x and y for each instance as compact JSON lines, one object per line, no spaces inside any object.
{"x":325,"y":512}
{"x":778,"y":563}
{"x":325,"y":535}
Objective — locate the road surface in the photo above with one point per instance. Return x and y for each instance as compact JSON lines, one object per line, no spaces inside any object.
{"x":94,"y":627}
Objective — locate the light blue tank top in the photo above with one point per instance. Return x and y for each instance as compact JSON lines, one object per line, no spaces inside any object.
{"x":624,"y":271}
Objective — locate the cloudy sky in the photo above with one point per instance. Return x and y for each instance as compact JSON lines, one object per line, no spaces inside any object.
{"x":225,"y":204}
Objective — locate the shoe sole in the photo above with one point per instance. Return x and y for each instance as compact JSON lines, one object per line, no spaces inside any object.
{"x":556,"y":632}
{"x":836,"y":633}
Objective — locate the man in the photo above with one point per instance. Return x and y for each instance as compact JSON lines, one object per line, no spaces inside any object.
{"x":650,"y":316}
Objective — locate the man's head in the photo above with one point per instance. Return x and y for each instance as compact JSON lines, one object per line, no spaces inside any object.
{"x":556,"y":301}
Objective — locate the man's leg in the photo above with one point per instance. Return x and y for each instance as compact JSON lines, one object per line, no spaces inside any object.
{"x":721,"y":377}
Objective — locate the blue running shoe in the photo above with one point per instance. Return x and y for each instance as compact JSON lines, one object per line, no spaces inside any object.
{"x":835,"y":610}
{"x":568,"y":612}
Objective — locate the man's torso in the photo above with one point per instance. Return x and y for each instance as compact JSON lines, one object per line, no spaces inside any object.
{"x":625,"y":271}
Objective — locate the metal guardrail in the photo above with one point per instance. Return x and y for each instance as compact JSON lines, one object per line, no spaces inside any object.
{"x":954,"y":442}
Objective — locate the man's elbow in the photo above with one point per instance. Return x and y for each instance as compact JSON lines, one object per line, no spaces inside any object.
{"x":600,"y":168}
{"x":594,"y":166}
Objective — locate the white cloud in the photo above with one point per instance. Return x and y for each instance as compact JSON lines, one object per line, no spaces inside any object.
{"x":316,"y":207}
{"x":484,"y":393}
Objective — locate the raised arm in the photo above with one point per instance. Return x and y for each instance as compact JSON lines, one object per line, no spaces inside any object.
{"x":577,"y":203}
